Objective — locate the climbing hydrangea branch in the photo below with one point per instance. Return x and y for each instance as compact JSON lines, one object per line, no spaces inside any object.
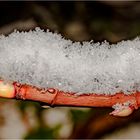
{"x":123,"y":104}
{"x":81,"y":74}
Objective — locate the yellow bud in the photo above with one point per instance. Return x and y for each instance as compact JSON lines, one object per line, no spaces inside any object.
{"x":125,"y":112}
{"x":7,"y":90}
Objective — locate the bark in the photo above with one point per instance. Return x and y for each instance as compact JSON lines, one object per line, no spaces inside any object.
{"x":55,"y":97}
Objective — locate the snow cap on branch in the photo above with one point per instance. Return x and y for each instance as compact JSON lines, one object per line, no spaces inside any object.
{"x":46,"y":59}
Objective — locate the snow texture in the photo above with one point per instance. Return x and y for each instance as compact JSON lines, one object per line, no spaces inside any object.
{"x":46,"y":59}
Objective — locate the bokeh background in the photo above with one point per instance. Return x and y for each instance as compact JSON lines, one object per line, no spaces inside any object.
{"x":78,"y":21}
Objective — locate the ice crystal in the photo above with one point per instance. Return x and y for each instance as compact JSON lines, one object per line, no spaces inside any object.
{"x":46,"y":59}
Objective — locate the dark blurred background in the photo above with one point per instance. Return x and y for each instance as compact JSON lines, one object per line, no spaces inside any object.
{"x":78,"y":21}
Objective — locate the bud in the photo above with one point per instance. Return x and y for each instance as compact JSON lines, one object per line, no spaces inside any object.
{"x":123,"y":112}
{"x":7,"y":90}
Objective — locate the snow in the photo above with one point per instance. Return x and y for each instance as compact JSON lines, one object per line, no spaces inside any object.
{"x":46,"y":59}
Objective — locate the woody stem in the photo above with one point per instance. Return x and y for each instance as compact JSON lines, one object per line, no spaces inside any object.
{"x":54,"y":97}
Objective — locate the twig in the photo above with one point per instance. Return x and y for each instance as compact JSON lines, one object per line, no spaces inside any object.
{"x":124,"y":104}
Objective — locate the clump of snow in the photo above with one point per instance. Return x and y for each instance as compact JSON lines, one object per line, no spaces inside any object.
{"x":46,"y":59}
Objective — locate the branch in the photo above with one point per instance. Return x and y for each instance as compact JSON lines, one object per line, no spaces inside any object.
{"x":100,"y":124}
{"x":124,"y":104}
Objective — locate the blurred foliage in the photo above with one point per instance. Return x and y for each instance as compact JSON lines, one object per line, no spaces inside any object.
{"x":43,"y":133}
{"x":79,"y":115}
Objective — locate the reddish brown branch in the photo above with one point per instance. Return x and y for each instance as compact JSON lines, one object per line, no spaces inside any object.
{"x":55,"y":97}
